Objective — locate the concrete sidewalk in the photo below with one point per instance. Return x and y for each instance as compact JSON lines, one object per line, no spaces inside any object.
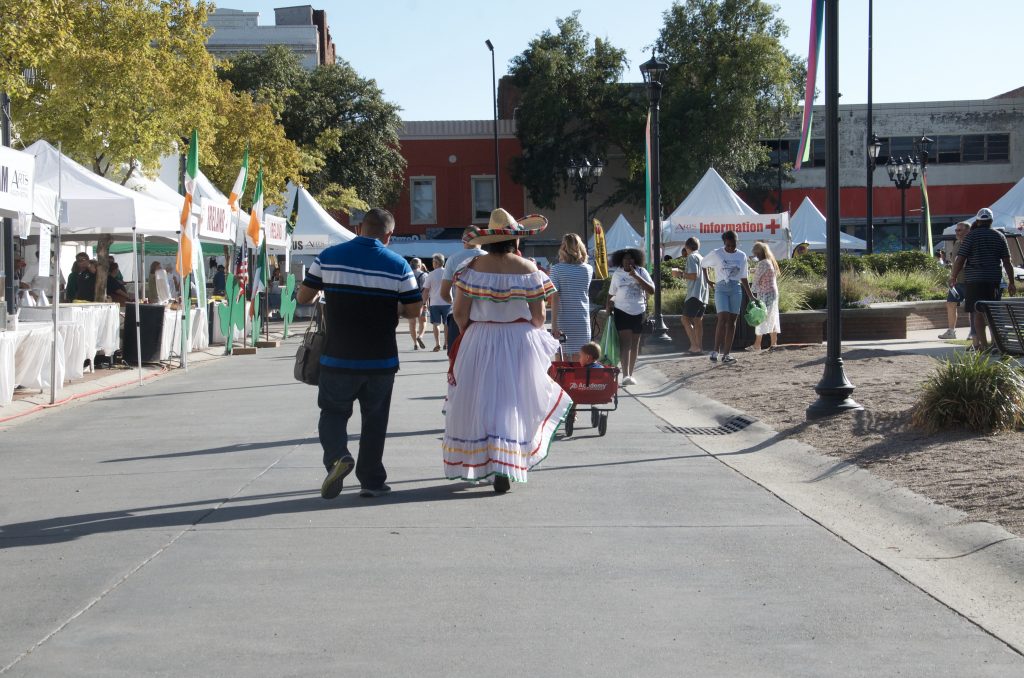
{"x":177,"y":529}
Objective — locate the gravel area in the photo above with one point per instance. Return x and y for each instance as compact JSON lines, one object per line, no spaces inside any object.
{"x":979,"y":474}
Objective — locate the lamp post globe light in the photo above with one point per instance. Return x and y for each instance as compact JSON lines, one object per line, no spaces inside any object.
{"x":903,"y":173}
{"x":584,"y":176}
{"x":874,"y":149}
{"x":653,"y":71}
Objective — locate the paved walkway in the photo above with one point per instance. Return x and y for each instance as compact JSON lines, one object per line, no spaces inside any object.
{"x":176,"y":529}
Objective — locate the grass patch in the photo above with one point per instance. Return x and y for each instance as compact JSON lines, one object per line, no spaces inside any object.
{"x":973,"y":391}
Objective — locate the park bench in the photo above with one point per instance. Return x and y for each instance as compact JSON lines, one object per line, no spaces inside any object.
{"x":1006,"y":319}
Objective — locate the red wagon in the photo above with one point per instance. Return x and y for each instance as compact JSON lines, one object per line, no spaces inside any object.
{"x":591,"y":388}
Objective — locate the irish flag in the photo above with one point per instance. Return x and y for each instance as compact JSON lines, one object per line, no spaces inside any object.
{"x":256,"y":215}
{"x":259,"y":280}
{"x":184,"y":262}
{"x":238,"y":190}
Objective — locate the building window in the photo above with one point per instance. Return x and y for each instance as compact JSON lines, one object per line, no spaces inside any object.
{"x":947,"y":149}
{"x":997,"y":147}
{"x":483,"y":198}
{"x":424,"y":200}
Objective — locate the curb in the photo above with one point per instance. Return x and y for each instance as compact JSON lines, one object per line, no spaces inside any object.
{"x":974,"y":568}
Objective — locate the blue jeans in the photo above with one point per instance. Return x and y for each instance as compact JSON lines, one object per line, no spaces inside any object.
{"x":728,"y":297}
{"x":338,"y":391}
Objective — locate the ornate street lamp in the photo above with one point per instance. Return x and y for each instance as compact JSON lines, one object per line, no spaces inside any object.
{"x":903,"y":173}
{"x":584,"y":176}
{"x":874,"y":148}
{"x":834,"y":389}
{"x":653,"y":72}
{"x":924,"y":147}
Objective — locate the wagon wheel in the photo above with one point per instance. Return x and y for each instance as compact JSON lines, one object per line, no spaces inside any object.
{"x":594,"y":416}
{"x":602,"y":424}
{"x":570,"y":420}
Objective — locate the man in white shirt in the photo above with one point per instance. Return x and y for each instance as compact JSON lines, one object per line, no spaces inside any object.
{"x":730,"y":266}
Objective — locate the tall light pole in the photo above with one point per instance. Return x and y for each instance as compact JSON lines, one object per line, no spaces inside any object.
{"x":903,"y":173}
{"x":494,"y":97}
{"x":834,"y":389}
{"x":584,"y":176}
{"x":8,"y":224}
{"x":874,"y":148}
{"x":653,"y":72}
{"x":924,"y":147}
{"x":872,"y":140}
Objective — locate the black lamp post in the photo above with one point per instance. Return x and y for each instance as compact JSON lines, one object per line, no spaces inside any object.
{"x":8,"y":224}
{"x":653,"y":72}
{"x":584,"y":176}
{"x":903,"y":173}
{"x":874,"y":148}
{"x":834,"y":389}
{"x":494,"y":96}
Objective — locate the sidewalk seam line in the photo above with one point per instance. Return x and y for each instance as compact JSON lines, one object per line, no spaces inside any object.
{"x":141,"y":565}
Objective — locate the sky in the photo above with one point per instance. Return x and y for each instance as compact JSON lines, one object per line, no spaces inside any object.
{"x":429,"y":56}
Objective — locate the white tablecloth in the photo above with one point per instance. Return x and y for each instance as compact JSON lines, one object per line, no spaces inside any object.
{"x":170,"y":340}
{"x":25,"y":355}
{"x":102,"y":323}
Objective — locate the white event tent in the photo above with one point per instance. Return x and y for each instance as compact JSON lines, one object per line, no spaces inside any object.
{"x":712,"y":208}
{"x":620,"y":236}
{"x":1007,"y":212}
{"x":808,"y":225}
{"x":21,"y":196}
{"x":315,"y":229}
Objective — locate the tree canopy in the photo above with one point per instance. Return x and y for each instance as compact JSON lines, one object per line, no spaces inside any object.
{"x":138,"y":80}
{"x":730,"y":84}
{"x":32,"y":33}
{"x":572,"y":106}
{"x":347,"y":131}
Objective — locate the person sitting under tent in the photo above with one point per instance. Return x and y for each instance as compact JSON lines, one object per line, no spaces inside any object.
{"x":116,"y":289}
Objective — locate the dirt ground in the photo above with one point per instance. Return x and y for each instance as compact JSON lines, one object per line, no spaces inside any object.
{"x":981,"y":475}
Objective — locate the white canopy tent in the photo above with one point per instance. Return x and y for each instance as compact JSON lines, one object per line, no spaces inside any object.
{"x":315,"y":229}
{"x":426,"y":248}
{"x":92,"y":205}
{"x":620,"y":236}
{"x":712,"y":208}
{"x":808,"y":225}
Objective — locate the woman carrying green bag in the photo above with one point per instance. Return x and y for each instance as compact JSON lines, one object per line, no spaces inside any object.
{"x":610,"y":342}
{"x":765,"y":285}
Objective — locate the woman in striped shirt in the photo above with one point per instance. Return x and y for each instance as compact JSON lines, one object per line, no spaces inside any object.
{"x":570,"y":305}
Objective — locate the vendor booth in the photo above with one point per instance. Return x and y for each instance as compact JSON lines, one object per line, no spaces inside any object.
{"x":620,"y":236}
{"x":711,"y":209}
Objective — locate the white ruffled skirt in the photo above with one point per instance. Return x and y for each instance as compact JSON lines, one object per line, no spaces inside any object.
{"x":503,"y":410}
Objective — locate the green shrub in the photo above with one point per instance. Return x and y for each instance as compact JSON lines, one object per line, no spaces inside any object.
{"x":852,"y":262}
{"x":792,"y":293}
{"x":973,"y":391}
{"x":810,"y":265}
{"x":909,"y":260}
{"x":910,"y":285}
{"x":672,"y":302}
{"x":669,"y":281}
{"x":602,"y":297}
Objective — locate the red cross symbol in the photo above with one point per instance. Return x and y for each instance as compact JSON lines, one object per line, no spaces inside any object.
{"x":773,"y":226}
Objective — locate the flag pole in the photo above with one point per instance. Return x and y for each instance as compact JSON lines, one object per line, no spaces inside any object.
{"x":56,"y":280}
{"x":138,"y":332}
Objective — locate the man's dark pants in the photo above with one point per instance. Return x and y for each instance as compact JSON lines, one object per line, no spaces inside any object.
{"x":338,"y":391}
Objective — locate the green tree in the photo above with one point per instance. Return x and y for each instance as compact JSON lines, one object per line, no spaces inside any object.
{"x":347,"y":131}
{"x":572,"y":106}
{"x":32,"y":33}
{"x":138,"y":81}
{"x":729,"y":85}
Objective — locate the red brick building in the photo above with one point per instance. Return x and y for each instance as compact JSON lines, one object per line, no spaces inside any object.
{"x":449,"y":177}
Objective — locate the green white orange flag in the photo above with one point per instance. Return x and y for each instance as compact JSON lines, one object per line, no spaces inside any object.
{"x":184,"y":261}
{"x":256,"y":215}
{"x":259,"y":279}
{"x":238,"y":190}
{"x":294,"y":216}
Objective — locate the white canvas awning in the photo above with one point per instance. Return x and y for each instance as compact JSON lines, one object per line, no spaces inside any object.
{"x":808,"y":225}
{"x":620,"y":236}
{"x":92,"y":205}
{"x":315,"y":229}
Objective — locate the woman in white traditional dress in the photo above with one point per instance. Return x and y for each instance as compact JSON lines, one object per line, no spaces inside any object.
{"x":765,"y":285}
{"x":502,"y":409}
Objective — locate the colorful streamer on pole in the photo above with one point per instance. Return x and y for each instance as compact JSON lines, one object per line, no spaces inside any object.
{"x":648,"y":218}
{"x":927,"y":211}
{"x":813,"y":50}
{"x":600,"y":252}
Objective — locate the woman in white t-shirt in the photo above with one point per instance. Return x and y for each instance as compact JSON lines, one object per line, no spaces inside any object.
{"x":630,"y":285}
{"x":730,"y":266}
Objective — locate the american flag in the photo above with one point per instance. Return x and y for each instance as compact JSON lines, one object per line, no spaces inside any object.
{"x":242,"y":269}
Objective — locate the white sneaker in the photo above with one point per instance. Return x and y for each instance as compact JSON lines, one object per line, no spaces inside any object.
{"x":727,"y":358}
{"x":628,"y":381}
{"x":714,"y":356}
{"x":948,"y":334}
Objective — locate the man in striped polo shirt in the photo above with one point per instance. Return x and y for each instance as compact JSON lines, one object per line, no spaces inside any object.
{"x":367,"y":287}
{"x":981,"y":253}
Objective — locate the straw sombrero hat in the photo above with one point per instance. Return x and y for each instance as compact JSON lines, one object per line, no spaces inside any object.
{"x":502,"y":226}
